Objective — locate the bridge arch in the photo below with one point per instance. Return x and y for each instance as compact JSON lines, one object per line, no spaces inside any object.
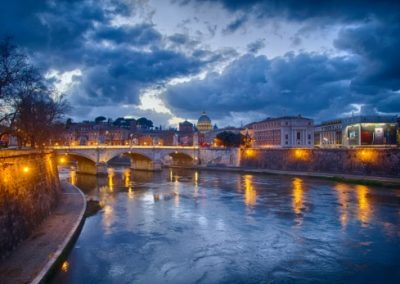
{"x":178,"y":158}
{"x":130,"y":154}
{"x":139,"y":161}
{"x":85,"y":164}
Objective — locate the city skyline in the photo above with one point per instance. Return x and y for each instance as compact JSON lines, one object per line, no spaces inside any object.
{"x":241,"y":61}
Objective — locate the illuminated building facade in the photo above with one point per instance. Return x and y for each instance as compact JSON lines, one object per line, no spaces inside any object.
{"x":357,"y":131}
{"x":287,"y":131}
{"x":328,"y":134}
{"x":369,"y":130}
{"x":204,"y":123}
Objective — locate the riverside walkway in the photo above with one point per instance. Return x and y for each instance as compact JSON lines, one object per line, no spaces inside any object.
{"x":37,"y":255}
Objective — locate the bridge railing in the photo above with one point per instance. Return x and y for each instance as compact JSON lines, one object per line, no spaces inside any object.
{"x":123,"y":147}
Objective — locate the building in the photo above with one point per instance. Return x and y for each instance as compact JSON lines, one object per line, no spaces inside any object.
{"x":91,"y":133}
{"x":369,"y":130}
{"x":357,"y":131}
{"x":248,"y":132}
{"x":186,"y":127}
{"x":328,"y":134}
{"x":204,"y":123}
{"x":185,"y":133}
{"x":287,"y":131}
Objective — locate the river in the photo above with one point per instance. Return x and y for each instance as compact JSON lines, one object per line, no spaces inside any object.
{"x":186,"y":226}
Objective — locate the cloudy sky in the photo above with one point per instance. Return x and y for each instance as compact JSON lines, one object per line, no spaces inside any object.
{"x":239,"y":61}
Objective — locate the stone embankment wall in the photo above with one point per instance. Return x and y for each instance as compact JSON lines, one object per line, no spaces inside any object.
{"x":29,"y":190}
{"x":228,"y":157}
{"x":383,"y":162}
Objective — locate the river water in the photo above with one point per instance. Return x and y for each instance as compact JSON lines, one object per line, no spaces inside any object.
{"x":185,"y":226}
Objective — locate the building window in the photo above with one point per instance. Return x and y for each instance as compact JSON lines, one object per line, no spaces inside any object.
{"x":298,"y":135}
{"x":286,"y":136}
{"x":309,"y":136}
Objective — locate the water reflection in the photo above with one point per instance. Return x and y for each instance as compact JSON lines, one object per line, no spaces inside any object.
{"x":342,"y":191}
{"x":127,"y":177}
{"x":196,"y":184}
{"x":187,"y":226}
{"x":110,"y":172}
{"x":65,"y":266}
{"x":297,"y":185}
{"x":131,"y":193}
{"x":364,"y":208}
{"x":72,"y":176}
{"x":108,"y":218}
{"x":250,"y":194}
{"x":176,"y":192}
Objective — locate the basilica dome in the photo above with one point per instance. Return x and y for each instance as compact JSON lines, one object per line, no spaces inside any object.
{"x":204,"y":123}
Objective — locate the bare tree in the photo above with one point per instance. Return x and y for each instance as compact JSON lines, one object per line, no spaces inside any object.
{"x":29,"y":107}
{"x":12,"y":65}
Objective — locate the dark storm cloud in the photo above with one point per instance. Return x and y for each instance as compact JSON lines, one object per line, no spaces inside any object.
{"x":378,"y":45}
{"x":117,"y":76}
{"x":138,"y":35}
{"x":304,"y":83}
{"x":236,"y":24}
{"x":339,"y":10}
{"x":369,"y":74}
{"x":117,"y":62}
{"x":255,"y":46}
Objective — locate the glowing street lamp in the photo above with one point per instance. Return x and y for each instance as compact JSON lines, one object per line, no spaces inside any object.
{"x":26,"y":169}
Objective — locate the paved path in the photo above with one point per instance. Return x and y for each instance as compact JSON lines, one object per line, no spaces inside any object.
{"x":33,"y":258}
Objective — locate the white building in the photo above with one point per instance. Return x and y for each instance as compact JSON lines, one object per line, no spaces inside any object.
{"x":328,"y":133}
{"x":287,"y":131}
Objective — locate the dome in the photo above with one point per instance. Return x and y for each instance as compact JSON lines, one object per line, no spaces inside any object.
{"x":204,"y":123}
{"x":204,"y":118}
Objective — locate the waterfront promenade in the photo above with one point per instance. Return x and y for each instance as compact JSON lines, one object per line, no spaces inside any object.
{"x":36,"y":256}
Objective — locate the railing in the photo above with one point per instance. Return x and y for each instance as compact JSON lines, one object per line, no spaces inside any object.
{"x":124,"y":147}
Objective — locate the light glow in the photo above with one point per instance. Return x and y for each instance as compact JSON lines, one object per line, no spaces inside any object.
{"x":301,"y":154}
{"x":367,"y":155}
{"x":26,"y":169}
{"x":65,"y":266}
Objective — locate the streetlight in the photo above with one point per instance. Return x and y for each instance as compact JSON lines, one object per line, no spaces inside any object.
{"x":26,"y":169}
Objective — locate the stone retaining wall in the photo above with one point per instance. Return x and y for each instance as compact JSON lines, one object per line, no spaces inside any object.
{"x":360,"y":161}
{"x":29,"y":190}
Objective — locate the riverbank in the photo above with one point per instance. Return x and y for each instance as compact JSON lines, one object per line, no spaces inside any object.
{"x":35,"y":257}
{"x":358,"y":179}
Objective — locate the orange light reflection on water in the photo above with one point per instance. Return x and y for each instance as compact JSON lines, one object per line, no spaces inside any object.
{"x":65,"y":266}
{"x":127,"y":177}
{"x":364,"y":206}
{"x":250,"y":194}
{"x":72,"y":176}
{"x":297,"y":184}
{"x":342,"y":191}
{"x":110,"y":178}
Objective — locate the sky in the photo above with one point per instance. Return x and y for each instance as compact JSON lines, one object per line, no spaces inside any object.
{"x":240,"y":61}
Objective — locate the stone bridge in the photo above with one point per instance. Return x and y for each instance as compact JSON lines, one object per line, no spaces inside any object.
{"x":95,"y":159}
